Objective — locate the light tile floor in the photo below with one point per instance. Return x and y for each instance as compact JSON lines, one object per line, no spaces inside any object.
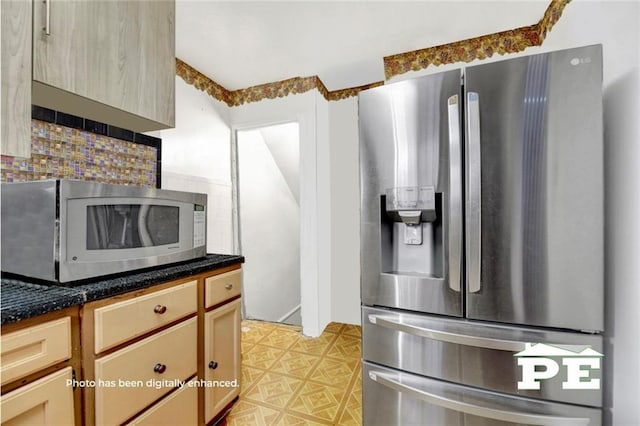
{"x":290,"y":379}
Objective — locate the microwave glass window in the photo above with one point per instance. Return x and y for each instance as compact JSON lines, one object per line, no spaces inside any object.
{"x":122,"y":226}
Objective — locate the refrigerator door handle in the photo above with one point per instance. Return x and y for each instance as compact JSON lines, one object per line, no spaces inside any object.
{"x":387,"y":321}
{"x":473,"y":184}
{"x":472,"y":409}
{"x":455,"y":195}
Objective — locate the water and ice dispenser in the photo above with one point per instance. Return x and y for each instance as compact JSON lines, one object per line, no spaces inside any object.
{"x":411,"y":231}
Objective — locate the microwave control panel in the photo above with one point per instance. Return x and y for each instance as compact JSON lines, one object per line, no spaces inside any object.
{"x":199,"y":220}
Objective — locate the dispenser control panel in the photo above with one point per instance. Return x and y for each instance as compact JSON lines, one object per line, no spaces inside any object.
{"x":411,"y":198}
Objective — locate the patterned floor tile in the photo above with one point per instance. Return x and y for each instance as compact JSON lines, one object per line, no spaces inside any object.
{"x":253,"y":333}
{"x":352,"y":414}
{"x":345,"y":347}
{"x":295,"y":364}
{"x":249,"y":414}
{"x":317,"y":400}
{"x":281,"y":338}
{"x":333,"y":372}
{"x":290,"y":379}
{"x":261,"y":356}
{"x":313,"y":345}
{"x":334,"y":327}
{"x":274,"y":389}
{"x":245,"y":346}
{"x":293,"y":420}
{"x":352,"y":330}
{"x":249,"y":376}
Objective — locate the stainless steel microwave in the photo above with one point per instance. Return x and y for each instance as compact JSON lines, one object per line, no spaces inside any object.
{"x":66,"y":230}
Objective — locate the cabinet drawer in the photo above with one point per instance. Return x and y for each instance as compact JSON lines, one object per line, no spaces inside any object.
{"x":47,"y":401}
{"x":31,"y":349}
{"x":222,"y":287}
{"x":179,"y":408}
{"x":119,"y":322}
{"x":131,"y":378}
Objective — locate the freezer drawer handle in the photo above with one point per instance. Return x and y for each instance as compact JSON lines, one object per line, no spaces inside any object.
{"x":444,"y":336}
{"x":476,"y":410}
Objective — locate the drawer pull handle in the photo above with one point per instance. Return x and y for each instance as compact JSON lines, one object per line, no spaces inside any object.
{"x":160,"y":368}
{"x":160,"y":309}
{"x":213,"y":365}
{"x":228,"y":286}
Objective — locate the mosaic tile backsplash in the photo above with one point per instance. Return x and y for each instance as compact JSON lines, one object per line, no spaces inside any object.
{"x":62,"y":152}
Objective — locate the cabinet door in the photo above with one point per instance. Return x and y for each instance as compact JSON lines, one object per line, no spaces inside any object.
{"x":16,"y":78}
{"x":222,"y":357}
{"x":118,"y":53}
{"x":47,"y":401}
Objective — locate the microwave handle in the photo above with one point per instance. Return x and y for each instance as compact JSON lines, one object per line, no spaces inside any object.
{"x":145,"y":236}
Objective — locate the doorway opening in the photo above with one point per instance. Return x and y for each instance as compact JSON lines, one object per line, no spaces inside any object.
{"x":267,"y":201}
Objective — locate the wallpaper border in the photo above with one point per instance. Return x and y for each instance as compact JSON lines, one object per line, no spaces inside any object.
{"x":485,"y":46}
{"x":278,"y":89}
{"x":510,"y":41}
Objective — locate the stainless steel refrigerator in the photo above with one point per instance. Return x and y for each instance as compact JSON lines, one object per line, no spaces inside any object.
{"x":482,"y":244}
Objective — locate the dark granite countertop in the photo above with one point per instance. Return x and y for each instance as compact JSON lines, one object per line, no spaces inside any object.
{"x":21,"y":299}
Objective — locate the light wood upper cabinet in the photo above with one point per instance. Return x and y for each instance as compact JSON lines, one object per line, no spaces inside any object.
{"x":110,"y":61}
{"x":16,"y":78}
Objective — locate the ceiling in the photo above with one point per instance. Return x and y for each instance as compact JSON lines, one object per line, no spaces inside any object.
{"x":239,"y":44}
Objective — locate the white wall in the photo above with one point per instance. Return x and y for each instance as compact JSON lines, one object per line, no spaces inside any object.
{"x":199,"y":144}
{"x":196,"y":157}
{"x":269,"y":228}
{"x":324,"y":206}
{"x":314,"y":220}
{"x":282,"y":141}
{"x":345,"y":211}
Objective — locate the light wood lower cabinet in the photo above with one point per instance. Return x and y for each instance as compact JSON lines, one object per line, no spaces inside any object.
{"x":118,"y":322}
{"x":31,"y":349}
{"x":166,"y":355}
{"x":47,"y":402}
{"x":222,"y":357}
{"x":219,"y":288}
{"x":137,"y":375}
{"x":179,"y":408}
{"x":40,"y":360}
